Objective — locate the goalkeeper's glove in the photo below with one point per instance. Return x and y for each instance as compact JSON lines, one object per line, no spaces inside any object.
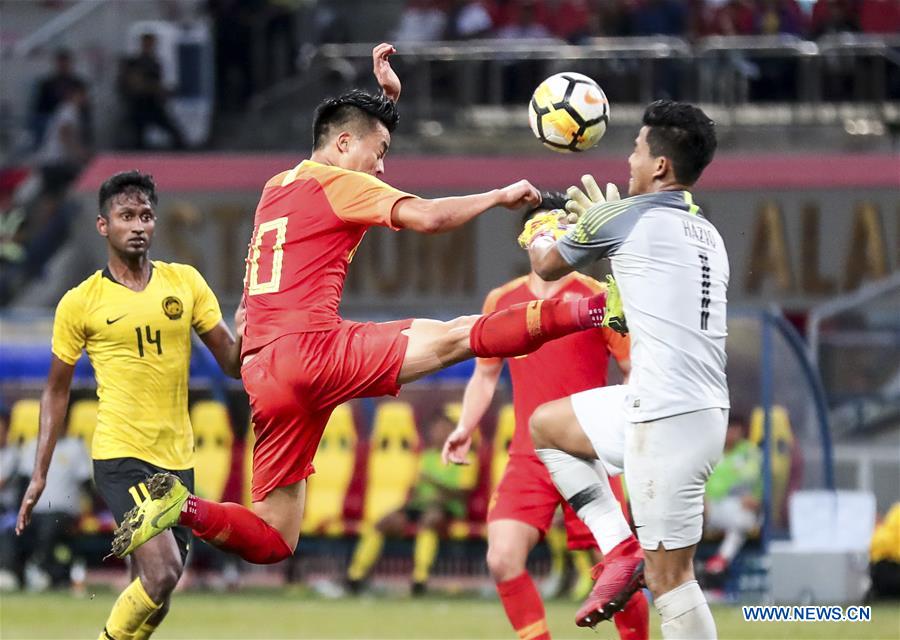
{"x":580,"y":201}
{"x":614,"y":317}
{"x":549,"y":225}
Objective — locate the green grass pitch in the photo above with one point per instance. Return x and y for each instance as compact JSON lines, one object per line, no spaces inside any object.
{"x":285,"y":614}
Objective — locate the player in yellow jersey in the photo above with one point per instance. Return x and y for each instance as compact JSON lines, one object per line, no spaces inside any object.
{"x":134,"y":318}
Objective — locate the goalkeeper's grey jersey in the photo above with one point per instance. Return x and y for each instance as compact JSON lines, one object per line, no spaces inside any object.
{"x":672,"y":269}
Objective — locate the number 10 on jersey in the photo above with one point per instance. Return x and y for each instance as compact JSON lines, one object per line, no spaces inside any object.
{"x":268,"y":241}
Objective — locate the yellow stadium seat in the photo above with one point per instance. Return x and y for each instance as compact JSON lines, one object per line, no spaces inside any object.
{"x":83,"y":420}
{"x":503,"y":435}
{"x":393,"y":460}
{"x":334,"y":463}
{"x":249,"y":441}
{"x":213,"y":440}
{"x":780,"y":448}
{"x":24,"y":421}
{"x":453,"y":410}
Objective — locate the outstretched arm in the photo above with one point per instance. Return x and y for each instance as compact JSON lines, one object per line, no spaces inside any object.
{"x":476,"y":399}
{"x":546,"y":260}
{"x":385,"y":75}
{"x":54,"y":402}
{"x":443,"y":214}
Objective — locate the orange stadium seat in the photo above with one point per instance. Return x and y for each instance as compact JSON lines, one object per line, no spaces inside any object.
{"x":393,"y":459}
{"x":334,"y":462}
{"x":213,"y":440}
{"x":24,"y":421}
{"x":503,"y":435}
{"x":781,"y":449}
{"x":83,"y":420}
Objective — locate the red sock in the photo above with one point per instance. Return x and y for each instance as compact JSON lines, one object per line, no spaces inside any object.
{"x":633,"y":622}
{"x":523,"y":328}
{"x":524,"y":607}
{"x":232,"y":527}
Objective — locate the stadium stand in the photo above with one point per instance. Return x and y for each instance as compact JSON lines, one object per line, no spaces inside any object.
{"x":213,"y":443}
{"x":24,"y":421}
{"x":327,"y":489}
{"x":393,"y":456}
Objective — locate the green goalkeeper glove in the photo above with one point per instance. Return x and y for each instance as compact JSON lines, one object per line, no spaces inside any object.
{"x":614,"y":318}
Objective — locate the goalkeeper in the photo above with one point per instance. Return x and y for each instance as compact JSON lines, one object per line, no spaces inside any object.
{"x":525,"y":499}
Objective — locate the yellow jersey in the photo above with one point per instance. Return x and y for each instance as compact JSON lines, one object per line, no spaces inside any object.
{"x":139,"y":343}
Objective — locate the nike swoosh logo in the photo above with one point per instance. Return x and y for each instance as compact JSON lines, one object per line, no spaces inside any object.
{"x":154,"y":521}
{"x":108,"y":321}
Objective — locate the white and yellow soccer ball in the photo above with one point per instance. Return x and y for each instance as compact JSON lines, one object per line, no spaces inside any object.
{"x":568,"y":112}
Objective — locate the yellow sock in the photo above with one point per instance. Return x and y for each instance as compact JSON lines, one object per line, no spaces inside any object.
{"x":424,"y":553}
{"x":131,"y":610}
{"x":556,"y":543}
{"x":368,"y":549}
{"x":145,"y":631}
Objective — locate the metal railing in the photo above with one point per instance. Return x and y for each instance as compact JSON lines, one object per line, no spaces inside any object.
{"x":715,"y":70}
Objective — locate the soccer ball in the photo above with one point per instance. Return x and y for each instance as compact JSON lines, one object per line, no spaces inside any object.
{"x":568,"y":112}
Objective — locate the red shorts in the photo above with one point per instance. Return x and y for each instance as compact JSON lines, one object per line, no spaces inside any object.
{"x":295,"y":382}
{"x":527,"y":494}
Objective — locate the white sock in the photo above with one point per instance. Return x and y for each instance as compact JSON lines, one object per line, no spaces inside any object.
{"x":685,"y":614}
{"x":586,"y":487}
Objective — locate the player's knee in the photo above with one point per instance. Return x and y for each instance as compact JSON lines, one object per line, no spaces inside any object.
{"x":456,"y":343}
{"x":503,"y":562}
{"x":160,"y":579}
{"x":664,"y":577}
{"x":540,"y":425}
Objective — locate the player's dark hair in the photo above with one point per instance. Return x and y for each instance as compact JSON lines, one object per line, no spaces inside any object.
{"x":126,"y":182}
{"x":356,"y":105}
{"x":550,"y":200}
{"x":682,"y":133}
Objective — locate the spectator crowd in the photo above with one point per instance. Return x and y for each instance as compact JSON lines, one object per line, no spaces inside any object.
{"x":576,"y":20}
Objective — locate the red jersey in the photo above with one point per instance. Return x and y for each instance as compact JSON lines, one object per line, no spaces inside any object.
{"x":558,"y":369}
{"x":308,"y":224}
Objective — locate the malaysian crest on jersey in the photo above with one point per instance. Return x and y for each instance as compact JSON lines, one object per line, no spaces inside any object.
{"x":172,"y":307}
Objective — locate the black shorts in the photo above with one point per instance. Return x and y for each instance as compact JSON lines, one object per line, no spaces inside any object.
{"x":120,"y":482}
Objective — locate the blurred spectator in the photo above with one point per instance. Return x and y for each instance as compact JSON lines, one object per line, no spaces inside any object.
{"x":832,"y":16}
{"x":56,"y":513}
{"x":735,"y":18}
{"x":733,"y":497}
{"x":658,"y":17}
{"x":879,"y":16}
{"x":144,"y":96}
{"x":527,"y":23}
{"x":569,"y":20}
{"x":12,"y":216}
{"x":64,"y":150}
{"x":780,"y":16}
{"x":280,"y":38}
{"x":9,"y":498}
{"x":467,"y":19}
{"x":439,"y":495}
{"x":884,"y":556}
{"x":52,"y":90}
{"x":421,"y":21}
{"x":233,"y":26}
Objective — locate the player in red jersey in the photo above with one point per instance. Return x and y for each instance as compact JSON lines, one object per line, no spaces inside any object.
{"x":300,"y":358}
{"x":525,"y":500}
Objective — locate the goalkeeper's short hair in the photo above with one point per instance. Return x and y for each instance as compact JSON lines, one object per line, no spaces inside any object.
{"x":550,"y":200}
